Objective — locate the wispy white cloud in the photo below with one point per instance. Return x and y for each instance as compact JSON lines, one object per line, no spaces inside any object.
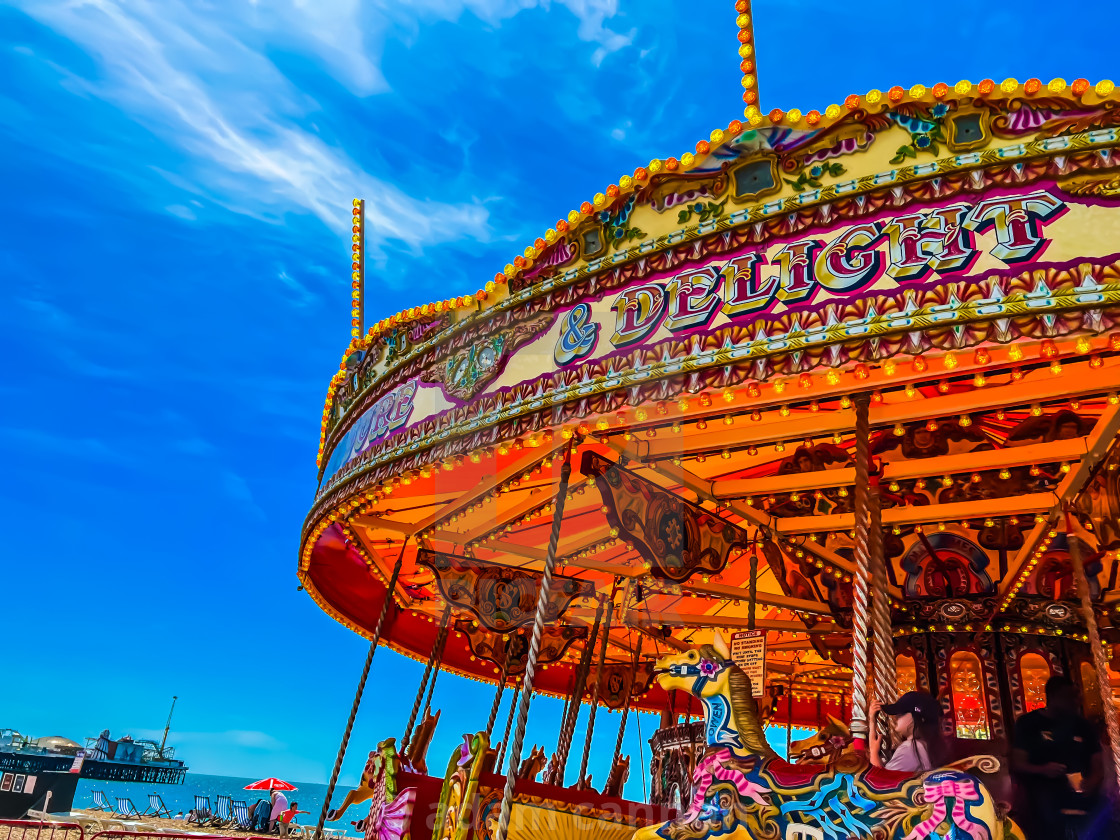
{"x":205,"y":82}
{"x":210,"y":88}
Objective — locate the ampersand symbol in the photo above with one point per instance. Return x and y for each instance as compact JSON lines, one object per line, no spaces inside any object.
{"x":578,"y":335}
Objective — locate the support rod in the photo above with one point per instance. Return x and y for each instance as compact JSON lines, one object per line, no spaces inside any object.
{"x":1100,"y":661}
{"x":860,"y":578}
{"x":595,"y":691}
{"x":437,"y":650}
{"x":490,"y":721}
{"x":568,"y":727}
{"x":535,"y":645}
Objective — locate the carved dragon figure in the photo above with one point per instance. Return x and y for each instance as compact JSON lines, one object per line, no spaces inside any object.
{"x":742,"y":790}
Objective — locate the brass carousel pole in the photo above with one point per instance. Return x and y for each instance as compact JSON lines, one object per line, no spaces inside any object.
{"x":862,"y":572}
{"x":1095,"y":646}
{"x":595,"y":691}
{"x":535,"y":645}
{"x":885,"y":678}
{"x":626,"y":704}
{"x":437,"y":651}
{"x":572,"y":711}
{"x":509,"y":726}
{"x":497,"y":697}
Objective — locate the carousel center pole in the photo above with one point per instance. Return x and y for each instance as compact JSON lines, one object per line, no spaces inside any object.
{"x":389,"y":590}
{"x":860,"y":578}
{"x":534,"y":645}
{"x":1100,"y":662}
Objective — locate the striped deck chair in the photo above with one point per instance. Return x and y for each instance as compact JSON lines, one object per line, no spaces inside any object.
{"x":126,"y":809}
{"x":201,"y":813}
{"x":156,"y":807}
{"x":241,"y":815}
{"x":100,"y":802}
{"x":223,"y":811}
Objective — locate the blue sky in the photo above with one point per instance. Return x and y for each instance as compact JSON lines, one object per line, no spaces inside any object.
{"x":175,"y":181}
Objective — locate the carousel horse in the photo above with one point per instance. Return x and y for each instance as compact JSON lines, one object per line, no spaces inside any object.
{"x":416,"y":752}
{"x":620,"y":772}
{"x":532,"y":765}
{"x":371,"y":774}
{"x":743,"y":790}
{"x":824,"y":746}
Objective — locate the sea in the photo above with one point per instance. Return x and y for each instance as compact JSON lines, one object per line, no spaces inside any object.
{"x":181,"y":797}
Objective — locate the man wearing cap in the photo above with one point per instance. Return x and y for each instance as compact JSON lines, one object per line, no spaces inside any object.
{"x":1056,"y":760}
{"x":916,"y":729}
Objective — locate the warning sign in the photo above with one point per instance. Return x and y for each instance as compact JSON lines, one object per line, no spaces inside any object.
{"x":748,"y":651}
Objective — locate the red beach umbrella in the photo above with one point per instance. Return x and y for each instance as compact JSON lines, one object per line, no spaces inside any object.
{"x":271,"y":784}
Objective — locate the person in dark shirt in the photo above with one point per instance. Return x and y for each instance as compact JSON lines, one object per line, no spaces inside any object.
{"x":1056,"y":760}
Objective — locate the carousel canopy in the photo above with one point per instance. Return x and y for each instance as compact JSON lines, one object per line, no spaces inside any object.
{"x":705,"y":335}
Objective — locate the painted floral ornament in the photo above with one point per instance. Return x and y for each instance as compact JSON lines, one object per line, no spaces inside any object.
{"x":708,"y":668}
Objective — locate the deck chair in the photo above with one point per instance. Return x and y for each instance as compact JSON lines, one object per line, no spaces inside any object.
{"x":201,"y":813}
{"x":242,"y":818}
{"x":126,"y":809}
{"x":100,"y":802}
{"x":156,"y":807}
{"x":223,"y":811}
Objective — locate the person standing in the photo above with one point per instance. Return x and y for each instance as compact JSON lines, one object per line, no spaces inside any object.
{"x":279,"y":805}
{"x":1056,"y":762}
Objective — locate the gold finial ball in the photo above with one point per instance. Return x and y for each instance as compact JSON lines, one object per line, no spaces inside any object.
{"x":917,"y":92}
{"x":1056,"y":85}
{"x":1009,"y":85}
{"x":357,"y":202}
{"x":874,"y":95}
{"x":962,"y":87}
{"x":1104,"y":87}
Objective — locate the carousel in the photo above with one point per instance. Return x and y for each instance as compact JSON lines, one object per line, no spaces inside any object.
{"x":818,"y":412}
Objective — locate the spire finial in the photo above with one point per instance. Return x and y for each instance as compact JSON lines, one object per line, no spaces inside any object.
{"x":749,"y":65}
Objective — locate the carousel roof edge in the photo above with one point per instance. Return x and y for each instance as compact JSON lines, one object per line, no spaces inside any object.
{"x":856,"y":108}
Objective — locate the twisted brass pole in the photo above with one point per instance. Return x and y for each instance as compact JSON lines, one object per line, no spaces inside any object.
{"x":595,"y":691}
{"x":862,"y":572}
{"x":534,"y":646}
{"x":569,"y":725}
{"x":497,"y":698}
{"x":1100,"y":661}
{"x":885,"y":679}
{"x":437,"y":651}
{"x":626,"y":704}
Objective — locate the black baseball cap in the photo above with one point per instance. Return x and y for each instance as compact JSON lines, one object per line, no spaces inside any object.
{"x":917,"y":703}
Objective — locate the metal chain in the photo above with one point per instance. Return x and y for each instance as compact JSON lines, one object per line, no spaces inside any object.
{"x":1100,"y":661}
{"x":595,"y":691}
{"x":535,"y":645}
{"x":860,"y":578}
{"x":437,"y":651}
{"x":389,"y":590}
